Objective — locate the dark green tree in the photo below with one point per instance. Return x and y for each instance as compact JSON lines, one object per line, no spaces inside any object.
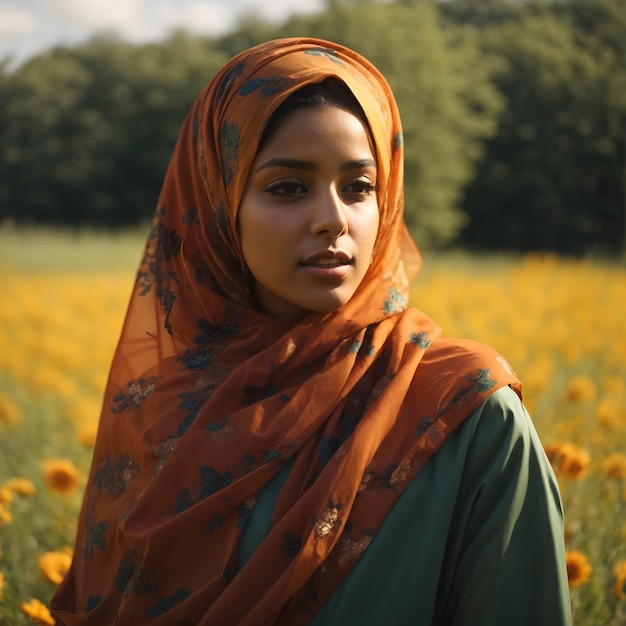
{"x":514,"y":115}
{"x":89,"y":130}
{"x":552,"y":178}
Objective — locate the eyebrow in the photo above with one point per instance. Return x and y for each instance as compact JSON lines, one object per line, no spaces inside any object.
{"x":308,"y":165}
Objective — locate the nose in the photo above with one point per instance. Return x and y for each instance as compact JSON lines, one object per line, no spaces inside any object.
{"x":329,"y":219}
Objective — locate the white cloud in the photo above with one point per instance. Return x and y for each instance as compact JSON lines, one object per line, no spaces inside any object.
{"x":28,"y":27}
{"x":143,"y":20}
{"x":196,"y":16}
{"x":140,"y":20}
{"x":279,"y":10}
{"x":15,"y":23}
{"x":98,"y":15}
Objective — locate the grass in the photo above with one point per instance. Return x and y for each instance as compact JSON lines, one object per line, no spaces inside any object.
{"x":69,"y":250}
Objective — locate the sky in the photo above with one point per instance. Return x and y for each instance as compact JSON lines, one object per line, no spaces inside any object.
{"x":28,"y":27}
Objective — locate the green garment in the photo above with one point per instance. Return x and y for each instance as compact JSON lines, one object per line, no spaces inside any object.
{"x":476,"y":539}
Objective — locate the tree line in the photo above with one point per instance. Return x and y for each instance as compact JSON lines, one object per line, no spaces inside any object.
{"x":514,"y":116}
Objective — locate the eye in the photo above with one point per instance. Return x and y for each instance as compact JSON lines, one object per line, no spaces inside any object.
{"x":286,"y":188}
{"x":361,"y":187}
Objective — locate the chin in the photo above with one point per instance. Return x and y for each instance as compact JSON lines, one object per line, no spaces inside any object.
{"x":332,"y":304}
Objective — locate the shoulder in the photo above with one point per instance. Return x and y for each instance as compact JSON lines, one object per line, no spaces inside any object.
{"x":460,"y":374}
{"x":500,"y":434}
{"x":450,"y":355}
{"x":452,"y":351}
{"x":502,"y":413}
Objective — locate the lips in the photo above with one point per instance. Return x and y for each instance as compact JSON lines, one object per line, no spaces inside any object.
{"x":329,"y":262}
{"x":328,"y":258}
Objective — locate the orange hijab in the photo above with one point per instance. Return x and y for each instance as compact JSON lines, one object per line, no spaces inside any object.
{"x":209,"y":398}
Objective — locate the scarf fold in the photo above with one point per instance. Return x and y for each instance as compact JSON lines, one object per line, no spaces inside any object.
{"x":208,"y":398}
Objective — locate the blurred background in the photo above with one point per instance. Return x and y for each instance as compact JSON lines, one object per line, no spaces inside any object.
{"x":514,"y":116}
{"x":514,"y":110}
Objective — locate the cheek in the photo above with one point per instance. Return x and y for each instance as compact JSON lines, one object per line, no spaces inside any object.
{"x":369,"y":231}
{"x":259,"y":241}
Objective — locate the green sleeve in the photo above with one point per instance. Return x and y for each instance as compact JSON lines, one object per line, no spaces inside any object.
{"x":505,"y":560}
{"x":476,"y":539}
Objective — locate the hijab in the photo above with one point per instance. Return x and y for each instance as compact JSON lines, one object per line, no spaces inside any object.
{"x":209,"y":397}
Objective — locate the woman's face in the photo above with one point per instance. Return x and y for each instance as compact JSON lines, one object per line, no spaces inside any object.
{"x":309,"y":214}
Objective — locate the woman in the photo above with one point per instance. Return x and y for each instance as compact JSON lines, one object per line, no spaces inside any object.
{"x":283,"y":441}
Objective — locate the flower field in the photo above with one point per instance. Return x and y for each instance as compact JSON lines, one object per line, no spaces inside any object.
{"x":559,"y":322}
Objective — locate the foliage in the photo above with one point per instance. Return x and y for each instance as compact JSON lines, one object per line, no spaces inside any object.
{"x":91,"y":129}
{"x":558,"y":322}
{"x":514,"y":115}
{"x":552,"y":177}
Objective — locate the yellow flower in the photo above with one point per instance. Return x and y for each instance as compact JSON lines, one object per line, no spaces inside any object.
{"x":61,"y":476}
{"x":568,"y":459}
{"x":615,"y":466}
{"x":620,"y":582}
{"x":54,"y":565}
{"x":576,"y":463}
{"x":578,"y":568}
{"x":1,"y":583}
{"x":9,"y":411}
{"x":5,"y":516}
{"x":606,"y":413}
{"x":553,"y":451}
{"x":87,"y":433}
{"x":20,"y":486}
{"x":38,"y":612}
{"x":6,"y":495}
{"x":580,"y":389}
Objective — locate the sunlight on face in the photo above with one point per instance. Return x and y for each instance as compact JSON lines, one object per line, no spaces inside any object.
{"x":309,"y":214}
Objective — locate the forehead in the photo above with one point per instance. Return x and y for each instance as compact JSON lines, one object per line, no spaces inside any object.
{"x":332,"y":130}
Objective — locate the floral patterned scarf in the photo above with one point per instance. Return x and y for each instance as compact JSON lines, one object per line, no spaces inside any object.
{"x":208,"y":398}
